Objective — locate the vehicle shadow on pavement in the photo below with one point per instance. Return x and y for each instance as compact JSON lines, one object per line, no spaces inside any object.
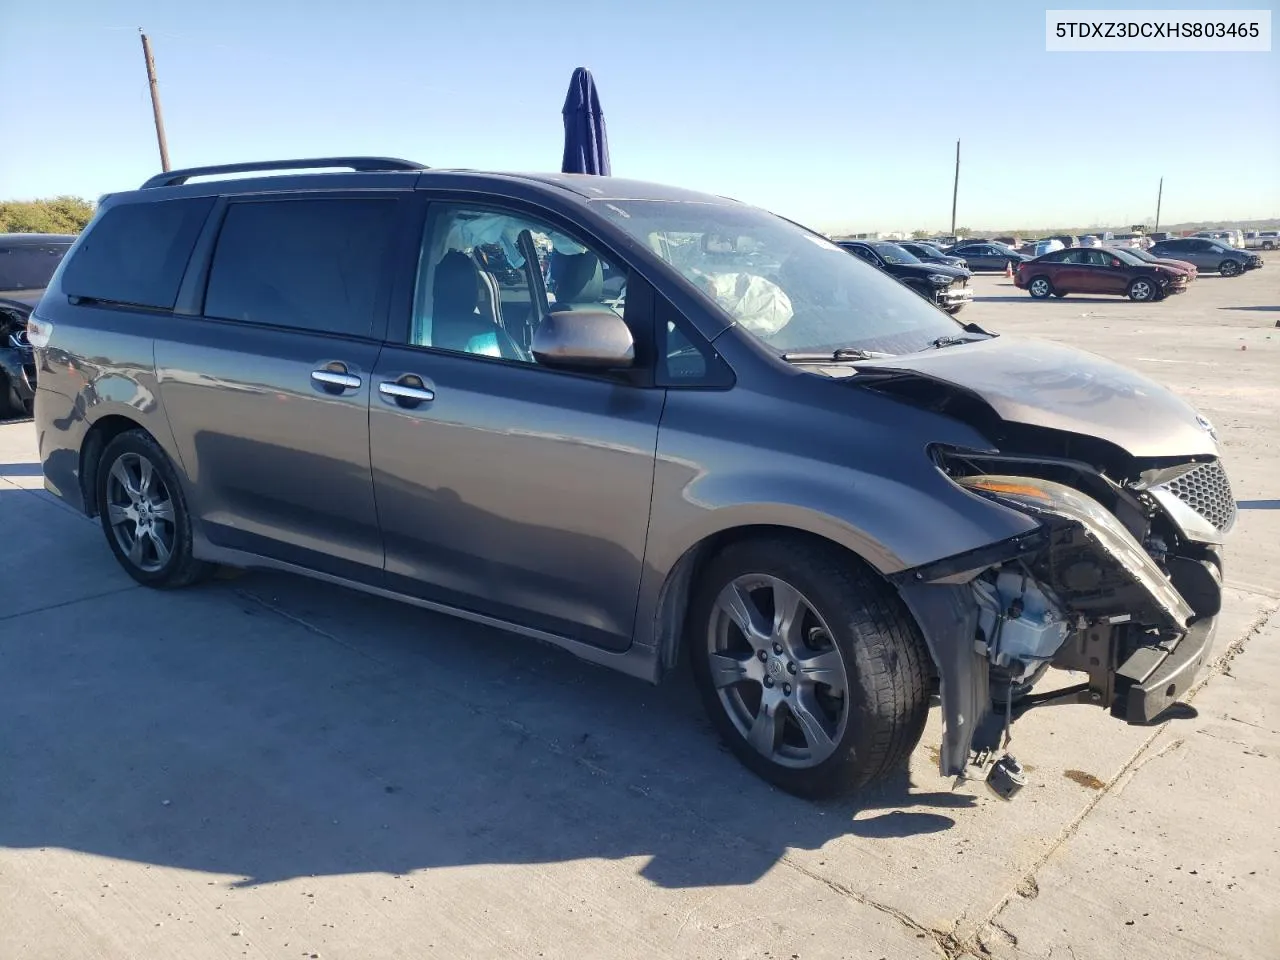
{"x":1250,"y":309}
{"x":270,"y":727}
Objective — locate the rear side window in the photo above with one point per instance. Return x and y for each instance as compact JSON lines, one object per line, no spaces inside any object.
{"x":29,"y":266}
{"x":137,"y":253}
{"x":313,"y":264}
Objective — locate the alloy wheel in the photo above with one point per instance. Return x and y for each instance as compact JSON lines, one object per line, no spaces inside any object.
{"x":140,"y":512}
{"x":1040,"y":287}
{"x":1141,"y":290}
{"x":777,"y":672}
{"x":1229,"y":268}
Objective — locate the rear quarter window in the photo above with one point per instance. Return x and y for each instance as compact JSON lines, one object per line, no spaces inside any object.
{"x":136,"y":253}
{"x":311,"y":264}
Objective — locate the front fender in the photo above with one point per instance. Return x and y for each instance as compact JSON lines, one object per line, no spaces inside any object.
{"x":865,"y":483}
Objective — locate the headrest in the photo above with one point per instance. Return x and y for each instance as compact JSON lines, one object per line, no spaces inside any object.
{"x":579,"y":278}
{"x":457,"y":284}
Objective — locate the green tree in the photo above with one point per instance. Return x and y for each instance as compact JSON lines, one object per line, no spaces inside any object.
{"x":53,"y":215}
{"x":919,"y":234}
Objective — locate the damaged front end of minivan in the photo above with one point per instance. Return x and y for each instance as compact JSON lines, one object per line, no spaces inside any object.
{"x":1120,"y":581}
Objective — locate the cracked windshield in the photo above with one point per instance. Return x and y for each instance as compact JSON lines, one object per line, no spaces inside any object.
{"x":790,"y":288}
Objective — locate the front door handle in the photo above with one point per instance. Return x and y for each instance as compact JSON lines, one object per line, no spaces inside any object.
{"x":335,"y":381}
{"x":405,"y":394}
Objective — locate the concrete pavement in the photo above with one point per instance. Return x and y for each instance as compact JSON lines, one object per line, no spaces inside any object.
{"x":268,"y":767}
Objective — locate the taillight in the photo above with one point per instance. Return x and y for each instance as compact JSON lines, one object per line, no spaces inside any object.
{"x":38,"y":331}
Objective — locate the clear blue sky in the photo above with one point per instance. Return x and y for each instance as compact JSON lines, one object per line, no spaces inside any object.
{"x":838,"y":114}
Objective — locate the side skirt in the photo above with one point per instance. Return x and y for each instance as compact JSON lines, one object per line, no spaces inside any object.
{"x":637,"y":661}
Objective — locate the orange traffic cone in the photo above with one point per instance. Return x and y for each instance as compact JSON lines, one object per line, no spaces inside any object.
{"x":1008,"y":269}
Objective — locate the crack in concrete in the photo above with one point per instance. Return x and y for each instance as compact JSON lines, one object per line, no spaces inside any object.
{"x":946,"y":943}
{"x":68,"y":603}
{"x":1135,"y":763}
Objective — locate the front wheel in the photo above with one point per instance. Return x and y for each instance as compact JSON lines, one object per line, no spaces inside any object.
{"x":144,"y":513}
{"x":955,"y":309}
{"x":811,"y":669}
{"x":1229,"y":268}
{"x":1141,"y":290}
{"x":1040,"y":287}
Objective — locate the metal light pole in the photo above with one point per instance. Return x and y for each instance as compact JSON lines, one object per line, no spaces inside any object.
{"x":955,"y":190}
{"x":1159,"y":197}
{"x":155,"y":101}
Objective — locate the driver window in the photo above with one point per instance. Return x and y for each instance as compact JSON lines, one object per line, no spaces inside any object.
{"x":487,"y":278}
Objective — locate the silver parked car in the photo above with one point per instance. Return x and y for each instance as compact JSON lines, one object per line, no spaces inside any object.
{"x":752,"y":449}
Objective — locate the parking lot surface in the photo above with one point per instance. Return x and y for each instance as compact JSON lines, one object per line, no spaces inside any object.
{"x":269,"y":767}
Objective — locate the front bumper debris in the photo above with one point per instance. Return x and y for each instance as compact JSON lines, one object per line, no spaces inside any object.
{"x":1134,"y":633}
{"x":1152,"y":679}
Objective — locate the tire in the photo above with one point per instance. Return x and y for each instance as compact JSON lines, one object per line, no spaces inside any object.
{"x":1268,"y":245}
{"x":1229,"y":268}
{"x":866,"y":714}
{"x":11,"y":406}
{"x":1143,"y":290}
{"x":954,"y":310}
{"x":1040,"y":287}
{"x":1059,"y":294}
{"x":135,"y":457}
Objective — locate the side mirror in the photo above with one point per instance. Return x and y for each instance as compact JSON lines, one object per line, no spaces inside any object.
{"x":584,"y":340}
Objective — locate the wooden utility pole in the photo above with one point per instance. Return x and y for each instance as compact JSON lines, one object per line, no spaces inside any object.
{"x":155,"y":101}
{"x":1159,"y":197}
{"x":955,"y":190}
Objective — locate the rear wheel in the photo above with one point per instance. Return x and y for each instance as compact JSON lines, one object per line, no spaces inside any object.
{"x":1229,"y":268}
{"x":809,"y":666}
{"x":1040,"y":287}
{"x":1059,"y":293}
{"x":1142,"y":290}
{"x":144,"y":513}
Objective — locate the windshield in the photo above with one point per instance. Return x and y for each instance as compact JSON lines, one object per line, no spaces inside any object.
{"x":1141,"y":255}
{"x":1126,"y":256}
{"x":893,"y":253}
{"x":29,"y":266}
{"x":927,"y":249}
{"x":792,"y":289}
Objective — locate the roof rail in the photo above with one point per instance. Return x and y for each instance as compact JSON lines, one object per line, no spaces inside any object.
{"x":173,"y":178}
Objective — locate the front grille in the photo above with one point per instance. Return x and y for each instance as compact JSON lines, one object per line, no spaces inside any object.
{"x":1207,"y":491}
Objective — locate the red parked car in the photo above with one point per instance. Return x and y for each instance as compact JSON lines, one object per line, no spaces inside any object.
{"x":1186,"y":266}
{"x":1098,"y":270}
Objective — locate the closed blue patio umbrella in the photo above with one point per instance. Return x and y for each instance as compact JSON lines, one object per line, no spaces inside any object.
{"x":586,"y":147}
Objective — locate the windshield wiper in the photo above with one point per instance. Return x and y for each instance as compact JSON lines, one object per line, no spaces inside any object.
{"x":831,"y":356}
{"x":941,"y":342}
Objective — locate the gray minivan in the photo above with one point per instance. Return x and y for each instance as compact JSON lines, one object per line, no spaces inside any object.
{"x":747,"y":448}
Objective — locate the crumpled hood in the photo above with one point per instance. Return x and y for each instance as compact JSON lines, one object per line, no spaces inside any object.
{"x":1044,"y":384}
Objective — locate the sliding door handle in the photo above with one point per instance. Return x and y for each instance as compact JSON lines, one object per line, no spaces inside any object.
{"x":335,"y":381}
